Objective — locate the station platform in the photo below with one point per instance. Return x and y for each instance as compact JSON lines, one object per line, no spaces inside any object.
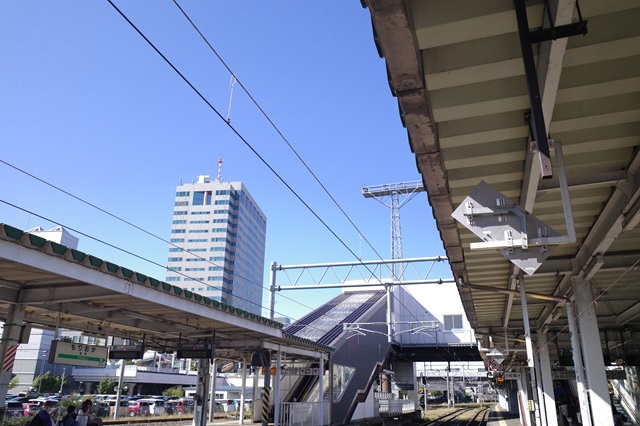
{"x":502,"y":418}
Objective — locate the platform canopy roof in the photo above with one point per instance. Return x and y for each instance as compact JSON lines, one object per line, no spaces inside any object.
{"x":457,"y":70}
{"x":65,"y":288}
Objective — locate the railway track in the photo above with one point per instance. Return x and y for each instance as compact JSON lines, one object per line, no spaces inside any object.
{"x":460,"y":417}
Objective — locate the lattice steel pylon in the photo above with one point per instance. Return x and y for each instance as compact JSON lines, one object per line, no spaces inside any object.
{"x":394,"y":190}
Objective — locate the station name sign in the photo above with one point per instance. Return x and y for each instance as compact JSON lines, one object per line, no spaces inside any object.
{"x":77,"y":354}
{"x":196,"y":350}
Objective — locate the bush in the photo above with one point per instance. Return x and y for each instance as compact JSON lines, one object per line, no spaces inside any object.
{"x":174,"y":392}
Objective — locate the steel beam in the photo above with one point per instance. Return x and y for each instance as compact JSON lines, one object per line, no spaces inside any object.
{"x":538,"y":126}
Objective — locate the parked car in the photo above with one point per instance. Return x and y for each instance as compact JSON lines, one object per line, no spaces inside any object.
{"x":13,"y":409}
{"x":179,"y":406}
{"x":156,"y":406}
{"x":146,"y":407}
{"x":19,"y":399}
{"x":136,"y":408}
{"x":30,"y":408}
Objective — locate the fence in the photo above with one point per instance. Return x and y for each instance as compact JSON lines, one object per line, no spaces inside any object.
{"x":394,"y":407}
{"x":303,"y":413}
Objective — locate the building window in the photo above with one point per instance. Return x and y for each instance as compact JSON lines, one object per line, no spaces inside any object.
{"x":177,"y":231}
{"x":453,"y":322}
{"x":175,"y":259}
{"x":179,"y":222}
{"x":182,"y":194}
{"x":173,"y":279}
{"x":176,"y":240}
{"x":202,"y":198}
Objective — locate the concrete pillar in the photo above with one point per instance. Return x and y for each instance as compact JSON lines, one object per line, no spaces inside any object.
{"x":10,"y":339}
{"x":592,"y":353}
{"x":547,"y":380}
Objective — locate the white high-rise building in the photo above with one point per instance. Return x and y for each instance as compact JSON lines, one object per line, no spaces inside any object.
{"x":217,"y":246}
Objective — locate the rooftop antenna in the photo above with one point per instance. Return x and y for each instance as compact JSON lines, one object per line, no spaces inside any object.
{"x":220,"y":170}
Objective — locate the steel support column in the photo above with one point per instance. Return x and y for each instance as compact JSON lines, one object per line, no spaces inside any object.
{"x":523,"y":401}
{"x":272,"y":290}
{"x":542,"y":408}
{"x":276,"y":389}
{"x":243,"y":389}
{"x":576,"y":352}
{"x":547,"y":380}
{"x":200,"y":409}
{"x":321,"y":389}
{"x":212,"y":391}
{"x":592,"y":353}
{"x":529,"y":346}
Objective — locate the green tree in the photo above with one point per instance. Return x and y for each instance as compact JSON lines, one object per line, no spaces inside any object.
{"x":174,"y":392}
{"x":107,"y":386}
{"x":47,"y":382}
{"x":14,"y":382}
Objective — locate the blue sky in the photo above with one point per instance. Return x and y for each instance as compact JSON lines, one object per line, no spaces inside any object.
{"x":88,"y":106}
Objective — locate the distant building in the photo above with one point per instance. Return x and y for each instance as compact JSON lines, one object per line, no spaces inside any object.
{"x":217,"y":246}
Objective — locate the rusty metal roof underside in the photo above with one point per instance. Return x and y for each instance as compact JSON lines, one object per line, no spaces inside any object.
{"x":457,"y":71}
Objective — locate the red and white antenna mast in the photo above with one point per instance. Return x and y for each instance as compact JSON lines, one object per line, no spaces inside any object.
{"x":220,"y":170}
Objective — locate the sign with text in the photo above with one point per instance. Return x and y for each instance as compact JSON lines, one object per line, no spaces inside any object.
{"x":563,"y":375}
{"x":510,"y":375}
{"x":301,"y":371}
{"x":77,"y":354}
{"x":196,"y":350}
{"x":126,"y":352}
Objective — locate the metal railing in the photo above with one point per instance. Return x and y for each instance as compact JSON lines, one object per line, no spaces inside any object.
{"x":394,"y":407}
{"x":303,"y":414}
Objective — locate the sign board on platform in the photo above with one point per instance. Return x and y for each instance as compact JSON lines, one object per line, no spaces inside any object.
{"x":301,"y":371}
{"x":126,"y":352}
{"x":563,"y":375}
{"x":77,"y":354}
{"x":511,"y":375}
{"x":197,"y":350}
{"x":502,"y":224}
{"x":616,"y":375}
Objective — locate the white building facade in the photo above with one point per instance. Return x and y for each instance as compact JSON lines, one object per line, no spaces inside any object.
{"x":217,"y":249}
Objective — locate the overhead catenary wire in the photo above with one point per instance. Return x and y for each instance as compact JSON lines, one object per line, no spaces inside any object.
{"x":235,"y":79}
{"x":275,"y":127}
{"x":243,"y":139}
